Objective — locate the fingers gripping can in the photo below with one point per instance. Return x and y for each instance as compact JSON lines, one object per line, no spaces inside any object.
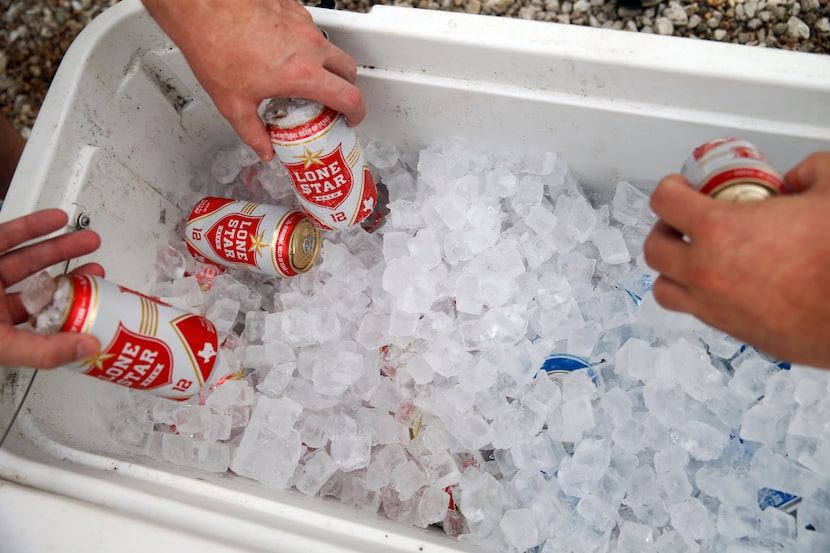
{"x":147,"y":345}
{"x":733,"y":170}
{"x":324,"y":159}
{"x":266,"y":239}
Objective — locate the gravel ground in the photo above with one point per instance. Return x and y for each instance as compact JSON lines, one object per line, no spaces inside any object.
{"x":35,"y":34}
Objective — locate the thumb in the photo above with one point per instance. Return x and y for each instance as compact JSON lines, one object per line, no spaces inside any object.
{"x":29,"y":349}
{"x":243,"y":117}
{"x":812,"y":173}
{"x":678,"y":204}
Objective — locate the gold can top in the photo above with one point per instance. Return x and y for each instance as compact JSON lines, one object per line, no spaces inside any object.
{"x":304,"y":248}
{"x":745,"y":192}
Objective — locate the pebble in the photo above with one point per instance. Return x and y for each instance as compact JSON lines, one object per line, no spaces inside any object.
{"x":663,"y":26}
{"x":676,"y":14}
{"x":34,"y":35}
{"x":796,"y":28}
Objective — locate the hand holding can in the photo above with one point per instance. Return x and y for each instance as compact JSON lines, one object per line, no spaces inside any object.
{"x":325,"y":161}
{"x":146,"y":344}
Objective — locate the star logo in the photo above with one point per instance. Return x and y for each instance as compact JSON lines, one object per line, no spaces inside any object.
{"x":207,"y":352}
{"x":310,"y":158}
{"x":97,"y":361}
{"x":257,"y":243}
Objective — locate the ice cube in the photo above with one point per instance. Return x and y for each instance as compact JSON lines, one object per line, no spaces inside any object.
{"x":675,"y":484}
{"x":528,"y":196}
{"x":337,"y":366}
{"x":739,"y":521}
{"x":631,"y":206}
{"x":170,"y":261}
{"x":223,"y":314}
{"x":501,"y":182}
{"x":381,"y":154}
{"x":185,"y":293}
{"x":505,"y":429}
{"x":635,"y":538}
{"x":225,"y":167}
{"x":537,"y":162}
{"x":351,"y":451}
{"x":270,"y":448}
{"x":580,"y":474}
{"x":245,"y":155}
{"x":408,"y":478}
{"x":751,"y":373}
{"x":425,"y":249}
{"x":542,"y":221}
{"x":692,"y":520}
{"x":577,"y":217}
{"x":451,"y":208}
{"x":611,"y":245}
{"x":317,"y":469}
{"x":519,"y":529}
{"x":195,"y":454}
{"x":481,"y":499}
{"x":373,"y":330}
{"x":405,"y":214}
{"x":432,"y":505}
{"x":255,"y":326}
{"x":37,"y":292}
{"x":702,"y":441}
{"x":781,"y":473}
{"x":765,"y":424}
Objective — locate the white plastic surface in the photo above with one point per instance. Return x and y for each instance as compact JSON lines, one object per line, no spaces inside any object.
{"x":33,"y":520}
{"x":125,"y":124}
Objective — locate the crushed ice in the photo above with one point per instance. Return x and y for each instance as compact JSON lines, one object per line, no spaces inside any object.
{"x":401,"y":374}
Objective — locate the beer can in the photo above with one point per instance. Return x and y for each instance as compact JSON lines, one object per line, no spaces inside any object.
{"x":558,"y":365}
{"x":324,"y":159}
{"x":147,"y":345}
{"x":733,"y":170}
{"x":267,"y":239}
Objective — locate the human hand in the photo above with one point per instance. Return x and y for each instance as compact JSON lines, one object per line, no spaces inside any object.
{"x":245,"y":52}
{"x":757,"y":271}
{"x":20,"y":347}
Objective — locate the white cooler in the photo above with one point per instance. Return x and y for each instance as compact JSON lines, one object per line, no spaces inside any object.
{"x":125,"y":125}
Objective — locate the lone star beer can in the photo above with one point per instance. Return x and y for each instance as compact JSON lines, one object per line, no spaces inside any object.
{"x":324,"y":160}
{"x":266,"y":239}
{"x":147,"y":345}
{"x":733,"y":170}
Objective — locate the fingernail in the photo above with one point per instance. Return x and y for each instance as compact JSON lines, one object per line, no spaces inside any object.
{"x":86,"y":348}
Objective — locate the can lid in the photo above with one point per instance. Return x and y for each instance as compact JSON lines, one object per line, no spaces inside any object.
{"x":745,"y":192}
{"x":286,"y":113}
{"x":52,"y":317}
{"x":304,"y":248}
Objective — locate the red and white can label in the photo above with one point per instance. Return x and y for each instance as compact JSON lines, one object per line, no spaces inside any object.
{"x":147,"y":344}
{"x":327,"y":167}
{"x":719,"y":164}
{"x":250,"y":236}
